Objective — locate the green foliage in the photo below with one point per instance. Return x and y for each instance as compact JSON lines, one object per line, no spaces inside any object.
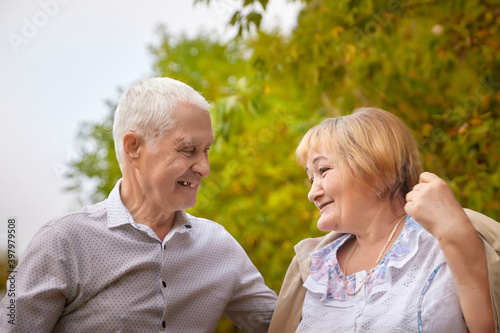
{"x":204,"y":63}
{"x":435,"y":64}
{"x":247,"y":17}
{"x":97,"y":159}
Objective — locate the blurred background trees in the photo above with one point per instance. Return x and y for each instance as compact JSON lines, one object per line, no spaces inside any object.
{"x":434,"y":64}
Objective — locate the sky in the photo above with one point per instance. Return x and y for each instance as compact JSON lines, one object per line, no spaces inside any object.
{"x":60,"y":61}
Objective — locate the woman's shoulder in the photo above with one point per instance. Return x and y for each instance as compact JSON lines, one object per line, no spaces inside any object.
{"x":488,"y":228}
{"x":309,"y":245}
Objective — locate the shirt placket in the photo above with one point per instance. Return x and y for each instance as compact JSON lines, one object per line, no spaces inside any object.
{"x":163,"y":283}
{"x":361,"y":303}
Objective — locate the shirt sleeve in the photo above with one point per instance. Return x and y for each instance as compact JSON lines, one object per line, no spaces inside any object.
{"x":40,"y":284}
{"x":252,"y":304}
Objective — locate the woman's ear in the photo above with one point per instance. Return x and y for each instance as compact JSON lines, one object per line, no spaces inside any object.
{"x":132,"y":147}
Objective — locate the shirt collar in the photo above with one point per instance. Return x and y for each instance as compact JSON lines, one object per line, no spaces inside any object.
{"x":182,"y":223}
{"x":119,"y":215}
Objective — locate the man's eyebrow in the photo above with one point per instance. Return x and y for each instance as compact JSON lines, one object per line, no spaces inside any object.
{"x":188,"y":142}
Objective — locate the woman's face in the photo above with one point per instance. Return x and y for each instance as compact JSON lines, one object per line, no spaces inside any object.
{"x":342,"y":208}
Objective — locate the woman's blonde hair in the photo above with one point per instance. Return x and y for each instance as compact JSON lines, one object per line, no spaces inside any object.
{"x":370,"y":146}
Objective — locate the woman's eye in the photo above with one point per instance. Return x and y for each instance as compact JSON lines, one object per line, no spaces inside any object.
{"x":323,"y":170}
{"x":311,"y":180}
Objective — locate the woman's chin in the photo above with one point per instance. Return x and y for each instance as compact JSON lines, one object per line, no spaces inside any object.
{"x":325,"y":224}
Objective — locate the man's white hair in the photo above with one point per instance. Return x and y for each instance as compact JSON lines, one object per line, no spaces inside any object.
{"x":147,"y":108}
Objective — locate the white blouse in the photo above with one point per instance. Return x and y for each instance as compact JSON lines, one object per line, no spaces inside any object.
{"x":410,"y":290}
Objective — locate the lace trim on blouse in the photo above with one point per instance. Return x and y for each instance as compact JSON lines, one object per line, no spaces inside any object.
{"x":325,"y":272}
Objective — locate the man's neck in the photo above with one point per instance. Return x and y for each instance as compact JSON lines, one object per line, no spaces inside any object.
{"x":144,"y":211}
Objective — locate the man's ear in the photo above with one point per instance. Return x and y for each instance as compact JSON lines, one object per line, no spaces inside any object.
{"x":133,"y":144}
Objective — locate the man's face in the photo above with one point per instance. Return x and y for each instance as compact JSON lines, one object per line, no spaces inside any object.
{"x":171,"y":174}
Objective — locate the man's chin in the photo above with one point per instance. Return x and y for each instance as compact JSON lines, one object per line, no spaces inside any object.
{"x":187,"y":205}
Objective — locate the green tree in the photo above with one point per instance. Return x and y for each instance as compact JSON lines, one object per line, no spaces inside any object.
{"x":434,"y":64}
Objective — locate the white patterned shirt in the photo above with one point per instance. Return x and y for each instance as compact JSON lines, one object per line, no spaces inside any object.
{"x":410,"y":290}
{"x":96,"y":270}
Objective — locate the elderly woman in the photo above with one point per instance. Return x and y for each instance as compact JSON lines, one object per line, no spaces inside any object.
{"x":403,"y":256}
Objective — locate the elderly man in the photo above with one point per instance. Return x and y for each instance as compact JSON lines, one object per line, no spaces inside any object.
{"x":137,"y":262}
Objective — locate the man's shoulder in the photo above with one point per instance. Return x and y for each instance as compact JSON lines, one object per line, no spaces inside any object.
{"x":68,"y":228}
{"x":203,"y":222}
{"x":209,"y":229}
{"x":83,"y":216}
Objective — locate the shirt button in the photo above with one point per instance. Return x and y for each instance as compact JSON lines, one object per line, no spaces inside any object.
{"x":188,"y":226}
{"x":164,"y":247}
{"x":163,"y":324}
{"x":164,"y":284}
{"x":361,"y":277}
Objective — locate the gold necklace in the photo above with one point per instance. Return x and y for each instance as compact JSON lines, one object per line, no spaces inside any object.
{"x":376,"y":263}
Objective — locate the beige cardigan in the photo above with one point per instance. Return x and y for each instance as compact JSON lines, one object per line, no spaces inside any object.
{"x":288,"y":312}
